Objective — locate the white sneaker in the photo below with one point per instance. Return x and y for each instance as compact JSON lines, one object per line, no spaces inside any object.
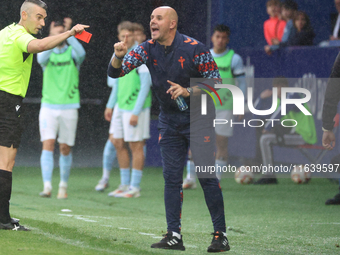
{"x":189,"y":184}
{"x":121,"y":189}
{"x":62,"y":193}
{"x":132,"y":192}
{"x":46,"y":192}
{"x":102,"y":184}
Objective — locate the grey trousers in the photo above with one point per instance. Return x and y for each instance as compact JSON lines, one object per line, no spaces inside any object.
{"x":266,"y":142}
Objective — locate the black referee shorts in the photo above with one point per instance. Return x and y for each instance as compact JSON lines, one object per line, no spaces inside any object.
{"x":10,"y":119}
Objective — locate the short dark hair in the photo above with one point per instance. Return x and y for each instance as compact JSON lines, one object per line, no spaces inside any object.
{"x":273,"y":2}
{"x":125,"y":25}
{"x":290,"y":5}
{"x":222,"y":28}
{"x":59,"y":23}
{"x":38,"y":2}
{"x":138,"y":27}
{"x":280,"y":81}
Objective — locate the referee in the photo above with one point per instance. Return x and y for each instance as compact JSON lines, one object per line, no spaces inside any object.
{"x":17,"y":46}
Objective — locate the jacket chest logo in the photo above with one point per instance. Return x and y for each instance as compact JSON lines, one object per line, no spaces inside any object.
{"x":181,"y":60}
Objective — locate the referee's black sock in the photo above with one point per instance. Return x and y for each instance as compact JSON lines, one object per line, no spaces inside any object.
{"x":5,"y":195}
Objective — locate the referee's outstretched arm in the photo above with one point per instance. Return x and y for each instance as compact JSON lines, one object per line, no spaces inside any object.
{"x":39,"y":45}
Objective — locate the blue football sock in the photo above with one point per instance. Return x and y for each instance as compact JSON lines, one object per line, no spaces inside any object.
{"x":46,"y":163}
{"x":136,"y":178}
{"x":109,"y":156}
{"x":125,"y":176}
{"x":65,"y":163}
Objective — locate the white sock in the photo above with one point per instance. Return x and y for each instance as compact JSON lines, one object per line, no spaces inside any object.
{"x":47,"y":185}
{"x":176,"y":235}
{"x":106,"y":174}
{"x":62,"y":184}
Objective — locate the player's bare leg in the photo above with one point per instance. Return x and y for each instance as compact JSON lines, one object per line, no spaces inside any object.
{"x":137,"y":149}
{"x":122,"y":153}
{"x":7,"y":158}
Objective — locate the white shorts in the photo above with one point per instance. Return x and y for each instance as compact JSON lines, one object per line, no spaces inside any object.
{"x":225,"y":129}
{"x":120,"y":126}
{"x":58,"y":122}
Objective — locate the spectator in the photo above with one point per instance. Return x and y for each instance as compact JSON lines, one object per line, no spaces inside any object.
{"x":302,"y":34}
{"x":335,"y":19}
{"x":289,"y":8}
{"x":274,"y":26}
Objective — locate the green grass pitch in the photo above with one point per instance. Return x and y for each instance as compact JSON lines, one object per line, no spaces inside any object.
{"x":276,"y":219}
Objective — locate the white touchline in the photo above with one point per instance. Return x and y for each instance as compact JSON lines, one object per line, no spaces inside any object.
{"x":90,"y":220}
{"x":67,"y":215}
{"x":146,"y":234}
{"x":331,"y":223}
{"x":191,"y":246}
{"x":80,"y":217}
{"x":76,"y":243}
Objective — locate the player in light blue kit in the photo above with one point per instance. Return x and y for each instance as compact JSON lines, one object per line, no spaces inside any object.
{"x":59,"y":105}
{"x":110,"y":154}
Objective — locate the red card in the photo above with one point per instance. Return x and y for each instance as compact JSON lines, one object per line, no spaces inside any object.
{"x":84,"y":36}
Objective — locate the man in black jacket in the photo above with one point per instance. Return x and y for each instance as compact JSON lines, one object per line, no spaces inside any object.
{"x":332,"y":98}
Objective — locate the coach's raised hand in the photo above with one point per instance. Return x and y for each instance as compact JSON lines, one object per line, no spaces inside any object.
{"x":120,"y":51}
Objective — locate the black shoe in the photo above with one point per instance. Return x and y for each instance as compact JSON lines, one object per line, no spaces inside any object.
{"x":334,"y":201}
{"x":219,"y":243}
{"x":169,"y":242}
{"x":264,"y":181}
{"x":13,"y":226}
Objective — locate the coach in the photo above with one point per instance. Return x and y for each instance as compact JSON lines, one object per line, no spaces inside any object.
{"x":172,"y":59}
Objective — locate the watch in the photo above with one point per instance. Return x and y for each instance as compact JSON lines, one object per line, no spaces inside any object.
{"x":190,"y":90}
{"x":121,"y":59}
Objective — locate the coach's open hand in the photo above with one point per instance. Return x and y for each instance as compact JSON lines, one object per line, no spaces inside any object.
{"x":328,"y":140}
{"x":177,"y":90}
